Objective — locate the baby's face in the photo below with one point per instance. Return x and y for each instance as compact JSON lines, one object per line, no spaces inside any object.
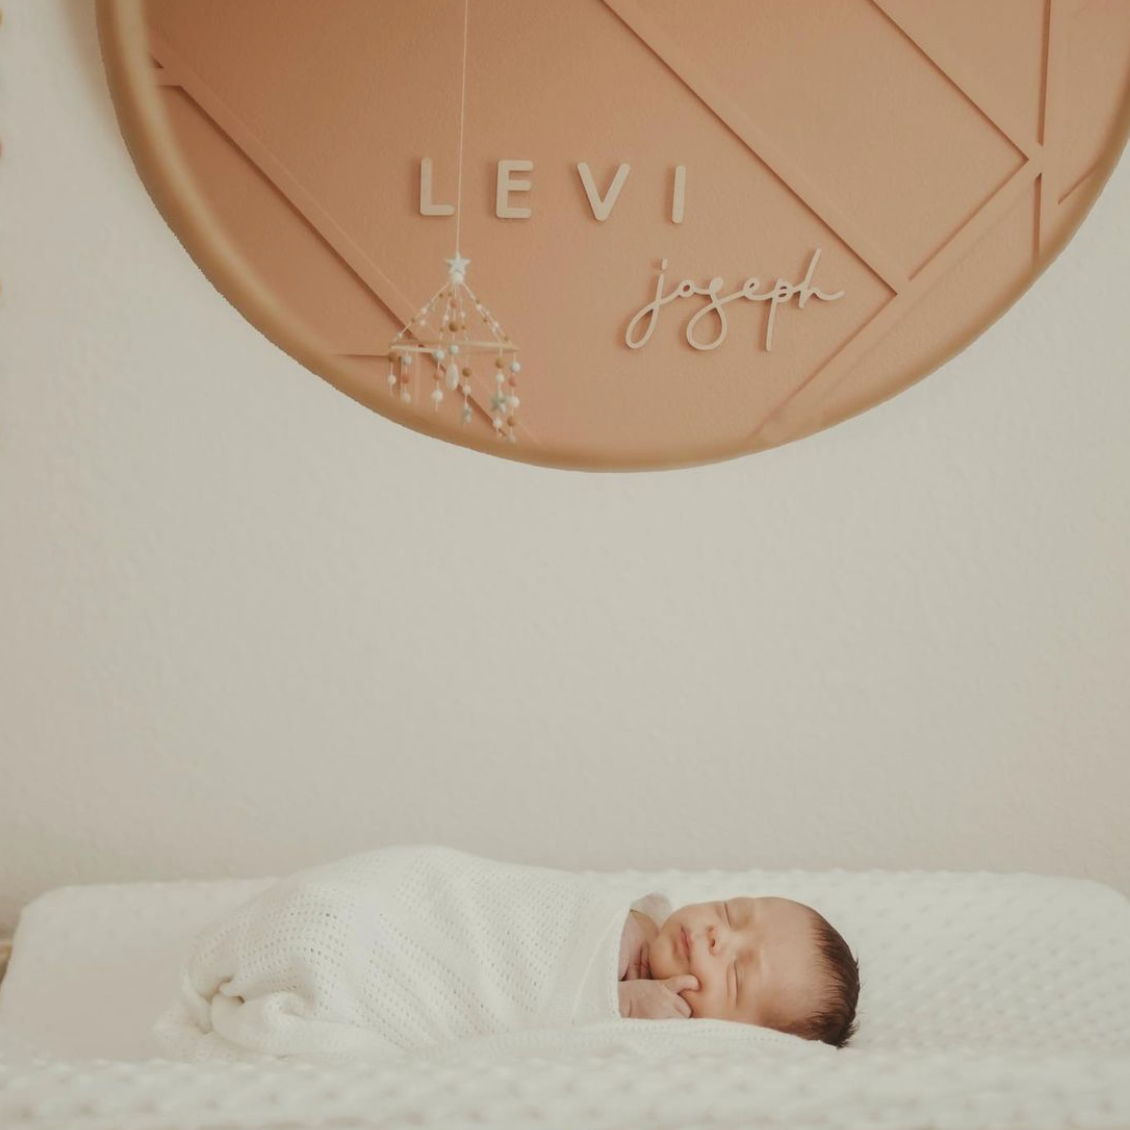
{"x":756,"y":959}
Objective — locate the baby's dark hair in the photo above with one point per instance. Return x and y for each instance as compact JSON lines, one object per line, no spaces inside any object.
{"x":834,"y":1023}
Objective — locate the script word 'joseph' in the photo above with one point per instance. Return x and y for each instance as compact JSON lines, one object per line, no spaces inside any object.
{"x":508,"y":183}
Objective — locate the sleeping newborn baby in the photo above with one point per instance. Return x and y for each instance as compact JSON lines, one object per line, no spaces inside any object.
{"x":411,"y":947}
{"x":765,"y":961}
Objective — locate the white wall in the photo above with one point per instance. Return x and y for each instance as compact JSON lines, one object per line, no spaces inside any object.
{"x":248,"y":625}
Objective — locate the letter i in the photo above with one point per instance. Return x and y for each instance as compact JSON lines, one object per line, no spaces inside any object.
{"x":679,"y":194}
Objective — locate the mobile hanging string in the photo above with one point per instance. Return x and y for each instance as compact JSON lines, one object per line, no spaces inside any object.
{"x":462,"y":117}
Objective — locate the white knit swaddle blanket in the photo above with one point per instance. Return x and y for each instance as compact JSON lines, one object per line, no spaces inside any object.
{"x":398,"y":949}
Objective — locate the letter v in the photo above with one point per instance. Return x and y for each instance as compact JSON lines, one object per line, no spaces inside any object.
{"x":602,"y":208}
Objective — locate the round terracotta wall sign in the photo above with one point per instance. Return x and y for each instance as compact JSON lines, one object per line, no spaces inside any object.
{"x":686,"y":231}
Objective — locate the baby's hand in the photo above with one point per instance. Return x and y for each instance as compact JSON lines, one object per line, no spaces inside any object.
{"x":657,"y":1000}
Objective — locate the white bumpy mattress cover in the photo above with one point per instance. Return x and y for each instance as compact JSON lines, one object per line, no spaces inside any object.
{"x":988,"y":1001}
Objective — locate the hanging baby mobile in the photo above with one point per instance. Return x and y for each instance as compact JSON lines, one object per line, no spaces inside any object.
{"x":439,"y":336}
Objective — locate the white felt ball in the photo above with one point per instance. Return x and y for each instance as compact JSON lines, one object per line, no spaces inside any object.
{"x":440,"y":354}
{"x":499,"y":377}
{"x":466,"y":413}
{"x":437,"y":394}
{"x":515,"y":403}
{"x":466,"y":388}
{"x":406,"y":359}
{"x":391,"y":379}
{"x":406,"y":396}
{"x":498,"y":423}
{"x":515,"y":367}
{"x":454,"y":350}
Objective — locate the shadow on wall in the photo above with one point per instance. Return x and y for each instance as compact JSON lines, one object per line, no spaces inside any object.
{"x":78,"y":18}
{"x":9,"y":913}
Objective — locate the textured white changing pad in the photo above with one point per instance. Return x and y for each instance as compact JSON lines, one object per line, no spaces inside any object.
{"x":987,"y":1000}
